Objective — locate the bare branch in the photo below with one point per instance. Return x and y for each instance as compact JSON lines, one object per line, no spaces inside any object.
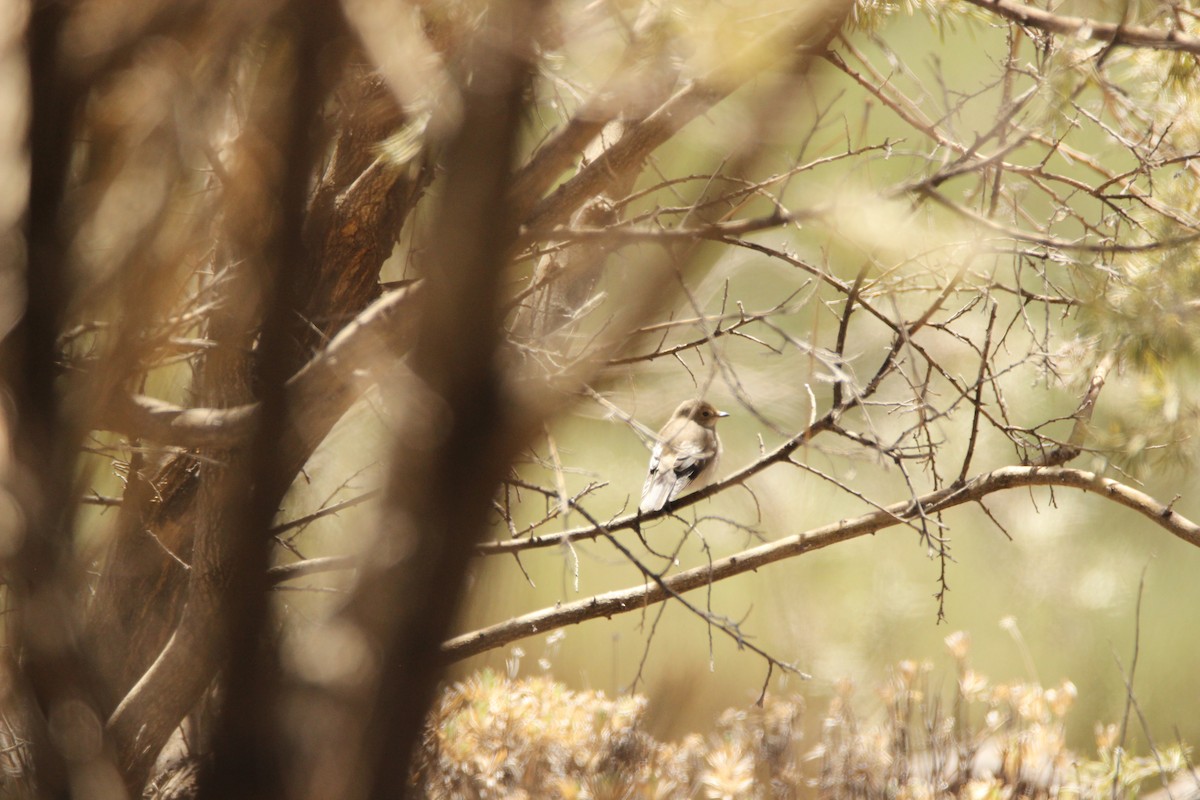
{"x":636,"y":598}
{"x":323,"y":390}
{"x":1084,"y":28}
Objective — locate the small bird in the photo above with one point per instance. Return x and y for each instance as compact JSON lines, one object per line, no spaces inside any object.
{"x":686,"y":454}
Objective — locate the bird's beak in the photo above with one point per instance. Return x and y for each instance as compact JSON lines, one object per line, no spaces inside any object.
{"x":722,"y":413}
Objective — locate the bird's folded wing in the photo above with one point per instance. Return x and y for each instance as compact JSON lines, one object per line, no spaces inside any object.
{"x":659,"y":482}
{"x":672,"y":468}
{"x":688,"y":460}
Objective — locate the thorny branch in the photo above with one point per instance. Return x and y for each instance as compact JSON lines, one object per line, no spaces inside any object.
{"x":625,"y":600}
{"x":1084,"y":28}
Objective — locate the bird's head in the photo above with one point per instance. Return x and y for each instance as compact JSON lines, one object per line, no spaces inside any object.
{"x":700,"y":411}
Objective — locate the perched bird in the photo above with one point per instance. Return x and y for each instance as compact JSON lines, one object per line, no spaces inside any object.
{"x":686,"y":454}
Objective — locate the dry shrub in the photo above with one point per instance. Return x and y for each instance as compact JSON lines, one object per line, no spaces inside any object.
{"x":492,"y":737}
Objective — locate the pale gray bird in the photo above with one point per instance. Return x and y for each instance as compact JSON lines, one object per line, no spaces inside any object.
{"x":686,"y":454}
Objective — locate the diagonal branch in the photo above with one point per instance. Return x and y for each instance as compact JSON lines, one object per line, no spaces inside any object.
{"x":321,"y":392}
{"x":586,"y":532}
{"x":1082,"y":416}
{"x":627,"y":155}
{"x":638,"y":597}
{"x":1085,"y":28}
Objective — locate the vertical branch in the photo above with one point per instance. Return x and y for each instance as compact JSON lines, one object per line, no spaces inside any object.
{"x":246,"y":761}
{"x":456,"y":439}
{"x":1119,"y":750}
{"x":843,"y":327}
{"x":227,"y":502}
{"x":350,"y":228}
{"x":977,"y":401}
{"x":39,"y":567}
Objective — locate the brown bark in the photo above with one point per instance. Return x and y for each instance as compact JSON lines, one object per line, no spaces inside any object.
{"x":354,"y":217}
{"x":138,"y":599}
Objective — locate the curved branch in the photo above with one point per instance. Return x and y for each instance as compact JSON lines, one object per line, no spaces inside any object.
{"x":638,"y":597}
{"x":156,"y":420}
{"x":1084,"y":28}
{"x":146,"y":716}
{"x":320,"y":392}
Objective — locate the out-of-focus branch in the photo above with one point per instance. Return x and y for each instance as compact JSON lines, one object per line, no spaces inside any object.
{"x":232,"y":553}
{"x":644,"y":78}
{"x":350,"y":230}
{"x":637,"y":598}
{"x":1085,"y":28}
{"x":1082,"y":416}
{"x":38,"y":467}
{"x":626,"y":157}
{"x":321,"y":392}
{"x":309,"y":566}
{"x":458,"y":433}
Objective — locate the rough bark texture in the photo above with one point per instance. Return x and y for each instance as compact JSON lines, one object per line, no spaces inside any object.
{"x":355,"y":219}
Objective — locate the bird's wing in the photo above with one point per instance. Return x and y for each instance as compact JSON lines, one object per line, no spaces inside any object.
{"x":659,"y":482}
{"x":673,"y":465}
{"x":688,"y":459}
